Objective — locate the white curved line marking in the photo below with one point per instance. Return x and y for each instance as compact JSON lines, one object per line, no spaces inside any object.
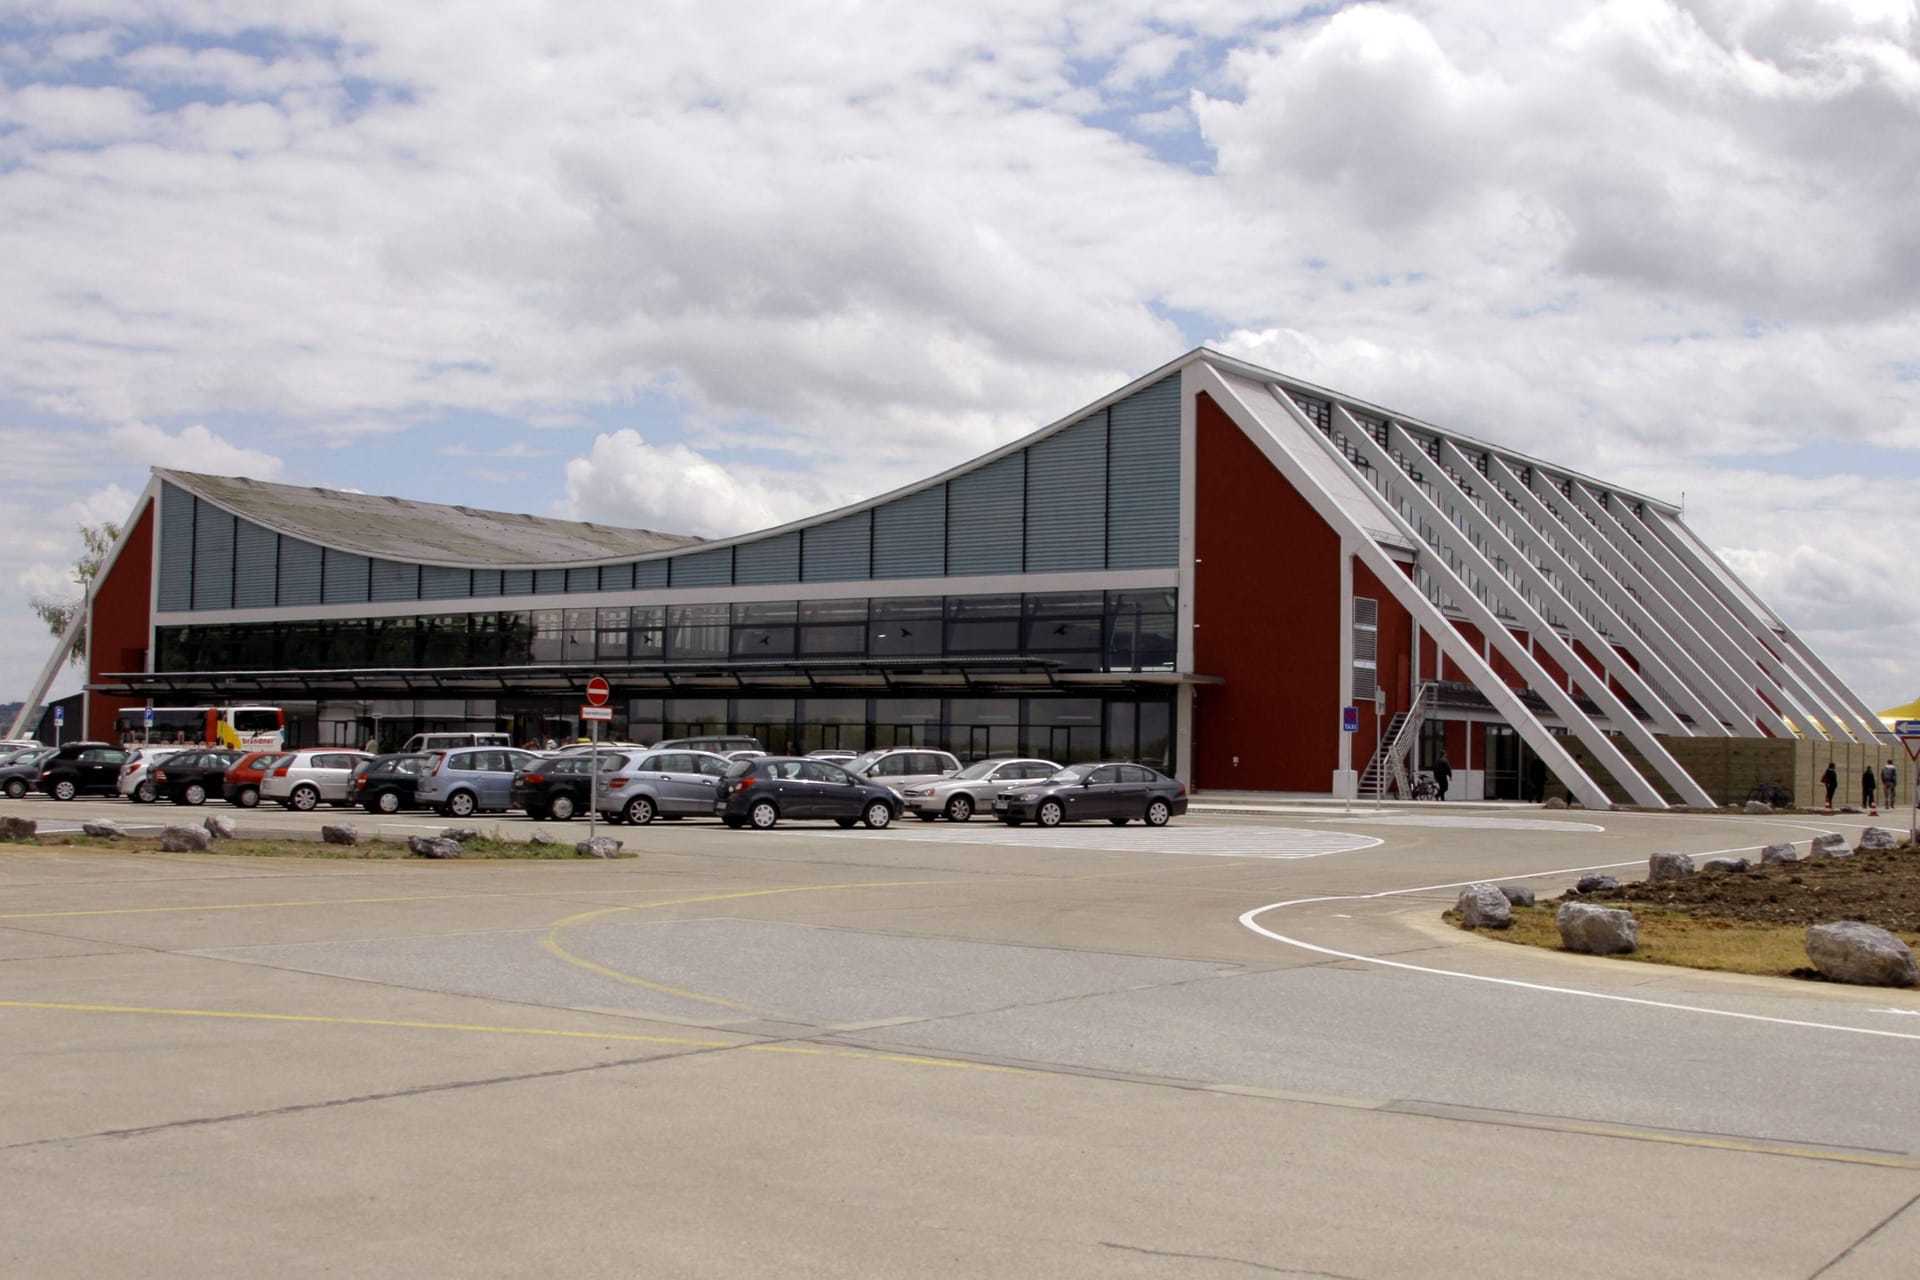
{"x":1249,"y":919}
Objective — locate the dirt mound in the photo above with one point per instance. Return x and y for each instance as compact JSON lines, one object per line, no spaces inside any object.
{"x":1879,"y":888}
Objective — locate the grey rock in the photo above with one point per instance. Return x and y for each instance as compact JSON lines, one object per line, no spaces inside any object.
{"x":1554,"y":802}
{"x":1864,"y":954}
{"x":460,"y":835}
{"x":18,"y":828}
{"x":1482,"y":906}
{"x":541,"y":837}
{"x":1588,"y":884}
{"x":1518,"y":895}
{"x":340,"y":833}
{"x":1877,"y":840}
{"x":105,"y":829}
{"x":598,"y":847}
{"x":1830,"y":845}
{"x":1728,"y":865}
{"x":1758,"y":807}
{"x":184,"y":840}
{"x":433,"y":847}
{"x":1779,"y":853}
{"x":1596,"y":931}
{"x":220,"y":828}
{"x":1669,"y":866}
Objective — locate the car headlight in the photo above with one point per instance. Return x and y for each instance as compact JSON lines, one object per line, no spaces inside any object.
{"x":919,"y":791}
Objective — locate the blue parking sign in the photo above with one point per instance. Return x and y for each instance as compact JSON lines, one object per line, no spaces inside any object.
{"x":146,"y":717}
{"x":59,"y":715}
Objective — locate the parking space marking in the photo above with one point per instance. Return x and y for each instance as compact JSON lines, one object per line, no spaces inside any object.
{"x":1208,"y":842}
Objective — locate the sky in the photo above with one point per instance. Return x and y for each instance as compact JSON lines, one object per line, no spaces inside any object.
{"x":708,"y":267}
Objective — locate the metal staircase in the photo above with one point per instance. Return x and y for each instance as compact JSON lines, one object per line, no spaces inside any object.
{"x":1386,"y":773}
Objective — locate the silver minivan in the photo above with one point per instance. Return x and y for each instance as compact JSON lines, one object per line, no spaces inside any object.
{"x":307,"y":779}
{"x":469,"y":780}
{"x":662,"y":784}
{"x":896,"y":767}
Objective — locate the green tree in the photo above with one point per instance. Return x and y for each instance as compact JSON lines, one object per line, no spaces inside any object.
{"x":58,"y":611}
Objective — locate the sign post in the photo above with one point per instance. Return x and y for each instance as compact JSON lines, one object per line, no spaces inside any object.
{"x":596,"y":711}
{"x":59,"y":719}
{"x":1908,"y":731}
{"x":146,"y":724}
{"x":1349,"y":780}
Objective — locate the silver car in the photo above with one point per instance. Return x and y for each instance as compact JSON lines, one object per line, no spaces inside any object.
{"x":469,"y":780}
{"x":900,"y":767}
{"x":663,"y":784}
{"x":136,"y":782}
{"x":972,"y":789}
{"x":306,"y":779}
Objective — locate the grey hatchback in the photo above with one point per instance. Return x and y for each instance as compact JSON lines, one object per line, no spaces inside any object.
{"x":662,"y":784}
{"x":467,"y":780}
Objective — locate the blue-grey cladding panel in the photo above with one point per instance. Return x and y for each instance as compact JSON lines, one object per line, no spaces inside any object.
{"x":768,"y":561}
{"x":486,"y":582}
{"x":256,"y":566}
{"x":1143,"y":478}
{"x":549,"y":582}
{"x":516,"y":582}
{"x":438,"y":583}
{"x":395,"y":581}
{"x":702,"y":569}
{"x":299,"y":572}
{"x":984,"y":510}
{"x":212,"y":558}
{"x":1067,"y":499}
{"x":650,"y":573}
{"x":616,"y":577}
{"x":910,"y":535}
{"x":344,"y":578}
{"x":176,"y":548}
{"x":583,"y":579}
{"x":838,"y":551}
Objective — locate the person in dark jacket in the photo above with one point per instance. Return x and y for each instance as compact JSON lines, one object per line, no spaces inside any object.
{"x":1867,"y":784}
{"x":1889,"y":778}
{"x":1442,"y":774}
{"x":1831,"y":780}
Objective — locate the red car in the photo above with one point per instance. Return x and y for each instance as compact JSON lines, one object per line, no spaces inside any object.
{"x":242,"y":783}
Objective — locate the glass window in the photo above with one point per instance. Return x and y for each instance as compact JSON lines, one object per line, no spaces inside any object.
{"x":833,"y":628}
{"x":579,"y":642}
{"x":764,"y":630}
{"x":647,"y":634}
{"x":444,"y":641}
{"x":690,"y":717}
{"x":980,"y":727}
{"x":612,"y":632}
{"x":646,"y":718}
{"x":1156,"y":735}
{"x":1064,"y":729}
{"x":1140,"y":631}
{"x":696,"y":632}
{"x":391,"y":642}
{"x":1106,"y":776}
{"x":820,"y":771}
{"x":905,"y":628}
{"x":254,"y":650}
{"x":1066,"y":627}
{"x":549,"y":638}
{"x":983,"y":624}
{"x":905,"y":722}
{"x":348,"y":643}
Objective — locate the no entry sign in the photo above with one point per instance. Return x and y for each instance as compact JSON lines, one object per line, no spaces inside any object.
{"x":598,"y":691}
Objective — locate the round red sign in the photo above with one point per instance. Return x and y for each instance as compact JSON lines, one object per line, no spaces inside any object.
{"x":598,"y":691}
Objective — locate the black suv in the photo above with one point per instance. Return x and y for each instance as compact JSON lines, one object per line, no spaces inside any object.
{"x":79,"y":769}
{"x":191,"y":776}
{"x":761,"y":791}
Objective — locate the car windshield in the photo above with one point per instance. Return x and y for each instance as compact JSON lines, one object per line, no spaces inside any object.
{"x":979,"y":769}
{"x":1072,"y":773}
{"x":859,"y":763}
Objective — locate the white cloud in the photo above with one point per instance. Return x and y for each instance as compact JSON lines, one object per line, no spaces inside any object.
{"x":674,"y":489}
{"x":194,"y":448}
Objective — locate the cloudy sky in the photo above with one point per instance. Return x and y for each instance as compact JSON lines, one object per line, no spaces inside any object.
{"x":704,"y":267}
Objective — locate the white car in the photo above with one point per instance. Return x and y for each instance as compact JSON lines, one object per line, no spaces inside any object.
{"x":136,"y":775}
{"x":899,"y":767}
{"x":972,"y":789}
{"x":307,"y":779}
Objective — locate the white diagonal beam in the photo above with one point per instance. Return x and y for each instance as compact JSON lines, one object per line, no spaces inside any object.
{"x":1682,"y":678}
{"x":47,"y":673}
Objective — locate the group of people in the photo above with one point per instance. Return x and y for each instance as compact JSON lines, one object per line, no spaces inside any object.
{"x":1887,"y":780}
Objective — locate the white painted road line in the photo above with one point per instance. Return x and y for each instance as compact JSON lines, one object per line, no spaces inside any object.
{"x":1193,"y":841}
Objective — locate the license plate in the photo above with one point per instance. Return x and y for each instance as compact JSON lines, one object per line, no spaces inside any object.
{"x":1000,"y":802}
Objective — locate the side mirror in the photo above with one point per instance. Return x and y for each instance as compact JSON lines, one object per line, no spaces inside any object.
{"x":1087,"y":781}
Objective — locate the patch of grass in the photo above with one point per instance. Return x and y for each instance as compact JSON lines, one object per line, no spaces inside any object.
{"x":1676,"y":938}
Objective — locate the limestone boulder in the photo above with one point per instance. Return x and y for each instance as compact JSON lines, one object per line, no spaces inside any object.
{"x":1596,"y":931}
{"x":1779,"y":853}
{"x":1863,"y":954}
{"x":104,"y":829}
{"x":1727,"y":866}
{"x":1554,"y":802}
{"x":185,"y":840}
{"x":460,"y":835}
{"x":433,"y":847}
{"x":18,"y":828}
{"x":1517,"y":895}
{"x":541,"y":837}
{"x":1482,"y":906}
{"x":1669,"y":866}
{"x":1758,"y":807}
{"x":1594,"y":883}
{"x":220,"y":828}
{"x":340,"y":833}
{"x":1877,"y":840}
{"x":602,"y":847}
{"x":1829,"y":845}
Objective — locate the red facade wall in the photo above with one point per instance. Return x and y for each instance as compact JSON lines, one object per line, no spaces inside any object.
{"x":118,"y":625}
{"x":1266,"y":618}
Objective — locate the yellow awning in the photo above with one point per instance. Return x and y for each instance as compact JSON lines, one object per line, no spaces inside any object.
{"x":1909,"y":712}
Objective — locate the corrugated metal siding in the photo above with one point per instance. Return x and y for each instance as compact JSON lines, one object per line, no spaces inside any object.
{"x":486,"y":582}
{"x":616,"y":577}
{"x":650,"y":573}
{"x":516,"y":582}
{"x":345,"y":578}
{"x":1143,"y":478}
{"x":212,"y":558}
{"x":299,"y":572}
{"x":838,"y":551}
{"x":1067,"y":499}
{"x":583,"y":579}
{"x":256,"y":566}
{"x":395,"y":581}
{"x":910,"y":535}
{"x":549,"y":582}
{"x":769,"y":561}
{"x":702,"y":569}
{"x":176,"y":548}
{"x":984,"y":510}
{"x":445,"y":584}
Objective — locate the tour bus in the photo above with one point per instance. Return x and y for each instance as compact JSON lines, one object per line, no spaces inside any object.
{"x":251,"y":728}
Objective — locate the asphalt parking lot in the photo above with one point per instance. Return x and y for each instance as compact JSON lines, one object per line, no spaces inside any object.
{"x":1237,"y":1045}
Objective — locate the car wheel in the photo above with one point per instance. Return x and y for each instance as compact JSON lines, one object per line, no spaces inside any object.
{"x":461,"y":804}
{"x":15,"y":788}
{"x":143,"y":792}
{"x":1157,"y":813}
{"x":878,"y":815}
{"x":193,"y":793}
{"x":1119,"y":822}
{"x":248,"y":797}
{"x":387,"y":802}
{"x":560,"y":808}
{"x":64,"y":789}
{"x":1050,"y":814}
{"x":735,"y":823}
{"x":304,"y":798}
{"x":844,"y":822}
{"x":763,"y":815}
{"x":639,"y":811}
{"x":960,"y":809}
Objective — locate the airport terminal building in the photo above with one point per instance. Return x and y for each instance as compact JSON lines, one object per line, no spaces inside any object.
{"x":1256,"y":583}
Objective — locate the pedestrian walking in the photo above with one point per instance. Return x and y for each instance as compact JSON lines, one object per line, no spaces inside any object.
{"x":1831,"y":780}
{"x":1537,"y":780}
{"x":1889,"y":779}
{"x":1442,"y":774}
{"x":1867,"y":782}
